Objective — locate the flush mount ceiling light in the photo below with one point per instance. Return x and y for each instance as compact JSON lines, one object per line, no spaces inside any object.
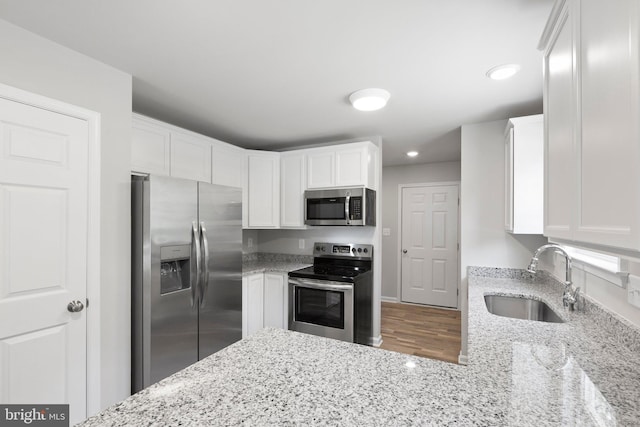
{"x":412,"y":153}
{"x":502,"y":72}
{"x":369,"y":99}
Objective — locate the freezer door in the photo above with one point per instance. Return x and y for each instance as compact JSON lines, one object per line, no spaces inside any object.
{"x":220,"y":216}
{"x":173,"y":312}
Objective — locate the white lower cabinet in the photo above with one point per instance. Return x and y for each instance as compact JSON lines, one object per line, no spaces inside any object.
{"x":264,"y":302}
{"x":275,"y":300}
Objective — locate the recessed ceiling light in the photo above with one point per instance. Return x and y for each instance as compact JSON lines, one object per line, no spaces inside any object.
{"x":369,"y":99}
{"x":502,"y":72}
{"x":412,"y":153}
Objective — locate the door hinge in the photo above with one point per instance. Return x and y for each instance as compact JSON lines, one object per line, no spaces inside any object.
{"x":457,"y":292}
{"x":458,"y":247}
{"x":87,"y":306}
{"x":458,"y":201}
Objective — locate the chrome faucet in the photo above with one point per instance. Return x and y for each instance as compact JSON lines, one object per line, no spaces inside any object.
{"x":570,"y":295}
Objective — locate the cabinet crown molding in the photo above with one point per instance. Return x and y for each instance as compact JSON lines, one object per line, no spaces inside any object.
{"x":551,"y":24}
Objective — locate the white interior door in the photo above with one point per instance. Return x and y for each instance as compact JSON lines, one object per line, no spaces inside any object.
{"x":43,"y":257}
{"x":429,"y":267}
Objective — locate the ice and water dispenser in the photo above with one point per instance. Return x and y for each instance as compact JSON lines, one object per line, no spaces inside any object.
{"x":175,"y":268}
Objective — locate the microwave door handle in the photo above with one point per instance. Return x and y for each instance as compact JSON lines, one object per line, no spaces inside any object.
{"x":194,"y":273}
{"x":204,"y":284}
{"x":347,"y":202}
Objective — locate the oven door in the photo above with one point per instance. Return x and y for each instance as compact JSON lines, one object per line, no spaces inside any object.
{"x":321,"y":307}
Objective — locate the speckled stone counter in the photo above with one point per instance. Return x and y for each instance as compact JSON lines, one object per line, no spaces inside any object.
{"x":583,"y":372}
{"x":256,"y":263}
{"x":520,"y":373}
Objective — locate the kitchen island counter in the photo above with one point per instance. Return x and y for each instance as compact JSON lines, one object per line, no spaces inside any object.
{"x":520,"y":373}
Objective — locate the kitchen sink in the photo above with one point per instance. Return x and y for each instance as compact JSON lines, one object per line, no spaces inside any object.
{"x":521,"y":308}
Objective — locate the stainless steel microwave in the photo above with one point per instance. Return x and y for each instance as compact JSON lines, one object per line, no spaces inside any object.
{"x":340,"y":206}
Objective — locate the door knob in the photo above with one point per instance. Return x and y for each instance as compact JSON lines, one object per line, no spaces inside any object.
{"x":404,"y":251}
{"x":75,"y":306}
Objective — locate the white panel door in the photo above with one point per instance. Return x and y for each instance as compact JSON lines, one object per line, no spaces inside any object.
{"x":43,"y":257}
{"x":430,"y":245}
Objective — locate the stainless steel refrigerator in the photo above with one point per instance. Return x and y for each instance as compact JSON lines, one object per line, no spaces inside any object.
{"x":186,"y":274}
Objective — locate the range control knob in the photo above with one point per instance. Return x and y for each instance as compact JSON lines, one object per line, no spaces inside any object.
{"x":359,"y":249}
{"x":366,"y":250}
{"x":353,"y":250}
{"x":317,"y":248}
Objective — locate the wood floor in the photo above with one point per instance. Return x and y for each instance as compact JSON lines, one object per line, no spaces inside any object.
{"x":421,"y":331}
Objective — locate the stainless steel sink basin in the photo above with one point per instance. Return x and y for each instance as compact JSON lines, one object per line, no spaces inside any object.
{"x":520,"y":308}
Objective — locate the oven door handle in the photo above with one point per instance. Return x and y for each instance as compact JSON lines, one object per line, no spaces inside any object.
{"x":320,"y":284}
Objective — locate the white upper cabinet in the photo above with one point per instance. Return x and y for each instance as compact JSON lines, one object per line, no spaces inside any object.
{"x":524,"y":171}
{"x":190,"y":157}
{"x":321,"y":168}
{"x":345,"y":165}
{"x":150,"y":147}
{"x":592,"y":138}
{"x":559,"y":107}
{"x":263,"y":189}
{"x":228,"y":164}
{"x":292,"y":186}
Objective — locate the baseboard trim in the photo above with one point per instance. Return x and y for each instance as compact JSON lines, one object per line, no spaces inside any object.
{"x":388,"y":299}
{"x":463,"y":359}
{"x":376,"y":341}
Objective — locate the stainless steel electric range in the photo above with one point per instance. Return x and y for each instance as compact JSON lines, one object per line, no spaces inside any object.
{"x":333,"y":298}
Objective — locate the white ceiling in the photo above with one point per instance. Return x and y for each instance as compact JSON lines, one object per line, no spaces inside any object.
{"x":275,"y":74}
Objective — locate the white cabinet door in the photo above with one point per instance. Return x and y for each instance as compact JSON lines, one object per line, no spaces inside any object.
{"x":150,"y":148}
{"x":346,"y":165}
{"x":320,"y":168}
{"x":351,"y":167}
{"x":508,"y":178}
{"x":559,"y":107}
{"x":252,"y":304}
{"x":275,"y":300}
{"x":227,"y":165}
{"x":293,"y":185}
{"x":190,"y":157}
{"x":524,"y":152}
{"x":264,"y":189}
{"x":608,"y":150}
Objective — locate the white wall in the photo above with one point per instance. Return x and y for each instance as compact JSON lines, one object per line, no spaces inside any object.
{"x":37,"y":65}
{"x":392,"y":176}
{"x":484,"y":241}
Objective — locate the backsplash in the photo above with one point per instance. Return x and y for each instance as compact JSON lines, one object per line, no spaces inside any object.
{"x":270,"y":257}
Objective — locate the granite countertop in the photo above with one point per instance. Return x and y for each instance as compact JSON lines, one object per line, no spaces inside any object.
{"x":273,"y":263}
{"x":521,"y":373}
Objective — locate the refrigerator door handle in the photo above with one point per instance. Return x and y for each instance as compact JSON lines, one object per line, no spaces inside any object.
{"x":204,"y":284}
{"x":194,"y":275}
